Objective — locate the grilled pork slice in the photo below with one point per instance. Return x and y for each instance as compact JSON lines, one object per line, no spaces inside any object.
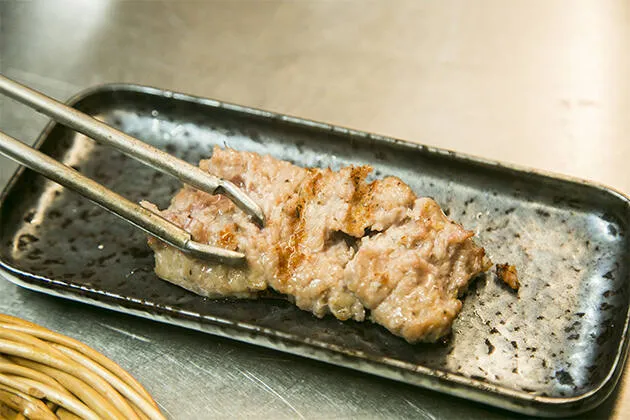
{"x":333,"y":243}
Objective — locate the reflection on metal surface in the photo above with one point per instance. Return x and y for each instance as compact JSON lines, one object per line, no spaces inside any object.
{"x":539,"y":83}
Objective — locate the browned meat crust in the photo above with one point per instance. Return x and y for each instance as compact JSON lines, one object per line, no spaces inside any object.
{"x":507,"y":273}
{"x":333,"y":243}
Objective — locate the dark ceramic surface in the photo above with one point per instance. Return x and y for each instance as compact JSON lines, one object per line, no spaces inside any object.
{"x":555,"y":348}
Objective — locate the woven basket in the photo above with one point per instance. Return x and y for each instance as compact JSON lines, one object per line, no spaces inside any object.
{"x":45,"y":375}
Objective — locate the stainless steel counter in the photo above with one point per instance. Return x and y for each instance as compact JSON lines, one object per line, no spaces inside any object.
{"x":539,"y":83}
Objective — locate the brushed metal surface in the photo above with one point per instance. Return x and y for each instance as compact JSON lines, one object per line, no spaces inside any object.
{"x":538,"y":83}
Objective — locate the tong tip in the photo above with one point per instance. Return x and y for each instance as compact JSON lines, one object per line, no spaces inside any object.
{"x":243,"y":201}
{"x":209,"y":252}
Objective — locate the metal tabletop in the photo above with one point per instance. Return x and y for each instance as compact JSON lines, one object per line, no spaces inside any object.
{"x":537,"y":83}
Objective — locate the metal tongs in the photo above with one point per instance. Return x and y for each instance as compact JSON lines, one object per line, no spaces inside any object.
{"x":132,"y":147}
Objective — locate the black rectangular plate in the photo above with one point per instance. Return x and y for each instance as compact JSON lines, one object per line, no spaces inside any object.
{"x":555,"y":348}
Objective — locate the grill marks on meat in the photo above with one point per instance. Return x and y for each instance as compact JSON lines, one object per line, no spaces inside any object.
{"x":311,"y":265}
{"x":377,"y":205}
{"x":333,"y":243}
{"x":410,"y":275}
{"x":360,"y":205}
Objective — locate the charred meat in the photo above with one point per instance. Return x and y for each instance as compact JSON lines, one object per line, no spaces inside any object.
{"x":333,"y":244}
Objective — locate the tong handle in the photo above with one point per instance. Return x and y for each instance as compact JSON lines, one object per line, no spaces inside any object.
{"x":130,"y":146}
{"x":135,"y":214}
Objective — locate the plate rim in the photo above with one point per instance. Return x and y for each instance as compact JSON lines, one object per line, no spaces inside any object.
{"x":471,"y":389}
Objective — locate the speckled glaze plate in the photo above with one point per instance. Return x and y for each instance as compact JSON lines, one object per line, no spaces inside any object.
{"x":555,"y":348}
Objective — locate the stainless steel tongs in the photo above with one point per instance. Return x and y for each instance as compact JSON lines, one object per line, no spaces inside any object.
{"x":120,"y":206}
